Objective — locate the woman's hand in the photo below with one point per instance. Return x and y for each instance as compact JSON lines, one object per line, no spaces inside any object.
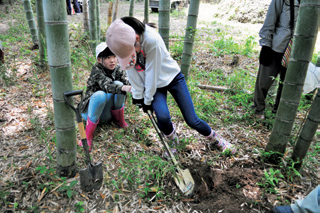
{"x":126,"y":88}
{"x":146,"y":108}
{"x":137,"y":102}
{"x":266,"y":55}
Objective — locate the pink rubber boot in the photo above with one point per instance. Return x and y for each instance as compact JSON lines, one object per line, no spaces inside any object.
{"x":90,"y":128}
{"x":220,"y":142}
{"x":118,"y":117}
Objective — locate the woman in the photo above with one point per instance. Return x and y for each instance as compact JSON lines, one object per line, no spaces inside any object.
{"x":153,"y":73}
{"x":106,"y":92}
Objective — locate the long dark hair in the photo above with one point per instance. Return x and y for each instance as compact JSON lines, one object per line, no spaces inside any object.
{"x":138,"y":26}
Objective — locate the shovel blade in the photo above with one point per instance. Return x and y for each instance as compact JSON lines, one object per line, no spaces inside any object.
{"x":91,"y":178}
{"x":184,"y":181}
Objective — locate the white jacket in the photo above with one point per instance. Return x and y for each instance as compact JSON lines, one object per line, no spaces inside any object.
{"x":160,"y":68}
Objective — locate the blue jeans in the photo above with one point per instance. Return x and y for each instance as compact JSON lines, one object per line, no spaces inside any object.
{"x":101,"y":104}
{"x":179,"y":90}
{"x":311,"y":203}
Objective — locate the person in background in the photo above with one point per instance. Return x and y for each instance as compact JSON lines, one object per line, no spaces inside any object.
{"x":76,"y":7}
{"x":153,"y":73}
{"x":106,"y":92}
{"x":275,"y":35}
{"x":310,"y":204}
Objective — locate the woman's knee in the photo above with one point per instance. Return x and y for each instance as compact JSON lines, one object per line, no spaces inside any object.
{"x":118,"y":83}
{"x":163,"y":119}
{"x":193,"y":123}
{"x":99,"y":97}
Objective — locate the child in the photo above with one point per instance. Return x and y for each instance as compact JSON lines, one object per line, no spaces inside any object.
{"x":153,"y":73}
{"x":106,"y":91}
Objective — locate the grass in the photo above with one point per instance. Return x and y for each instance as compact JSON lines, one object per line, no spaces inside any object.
{"x":226,"y":45}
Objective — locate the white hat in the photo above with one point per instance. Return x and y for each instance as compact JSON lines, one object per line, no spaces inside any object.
{"x":121,"y":39}
{"x":100,"y":48}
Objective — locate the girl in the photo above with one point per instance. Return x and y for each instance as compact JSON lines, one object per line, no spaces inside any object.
{"x":153,"y":73}
{"x":106,"y":92}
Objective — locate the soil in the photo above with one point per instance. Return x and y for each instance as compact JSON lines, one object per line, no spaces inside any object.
{"x":222,"y":191}
{"x":223,"y":183}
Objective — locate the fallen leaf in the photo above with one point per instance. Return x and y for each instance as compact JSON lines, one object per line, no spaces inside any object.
{"x":102,"y":195}
{"x":28,"y":165}
{"x":84,"y":196}
{"x":187,"y":200}
{"x":42,"y":194}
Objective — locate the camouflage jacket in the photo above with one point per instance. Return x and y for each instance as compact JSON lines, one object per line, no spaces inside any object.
{"x":102,"y":78}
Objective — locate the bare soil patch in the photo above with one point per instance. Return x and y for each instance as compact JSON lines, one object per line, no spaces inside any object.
{"x":223,"y":183}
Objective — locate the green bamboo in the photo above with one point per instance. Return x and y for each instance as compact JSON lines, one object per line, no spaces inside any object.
{"x":131,"y":8}
{"x":189,"y":37}
{"x":93,"y":24}
{"x":303,"y":45}
{"x":41,"y":32}
{"x":146,"y":11}
{"x":1,"y":54}
{"x":98,"y":20}
{"x":85,"y":17}
{"x":307,"y":133}
{"x":31,"y":21}
{"x":56,"y":25}
{"x":164,"y":21}
{"x":109,"y":18}
{"x":115,"y":9}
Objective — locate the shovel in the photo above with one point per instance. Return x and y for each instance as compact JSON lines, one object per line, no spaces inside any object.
{"x":183,"y":178}
{"x":91,"y":178}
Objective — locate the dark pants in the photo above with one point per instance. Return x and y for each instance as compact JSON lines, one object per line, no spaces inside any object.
{"x":179,"y":90}
{"x":265,"y":78}
{"x":76,"y":6}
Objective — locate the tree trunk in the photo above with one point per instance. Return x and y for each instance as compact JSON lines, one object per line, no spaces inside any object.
{"x":307,"y":133}
{"x":131,"y":8}
{"x":85,"y":17}
{"x":31,"y":22}
{"x":59,"y":62}
{"x":115,"y":9}
{"x":41,"y":32}
{"x":303,"y":45}
{"x":110,"y":12}
{"x":1,"y":54}
{"x":146,"y":11}
{"x":164,"y":21}
{"x":189,"y":37}
{"x":93,"y":23}
{"x":98,"y":21}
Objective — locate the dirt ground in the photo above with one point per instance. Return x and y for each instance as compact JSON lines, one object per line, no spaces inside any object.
{"x":229,"y":185}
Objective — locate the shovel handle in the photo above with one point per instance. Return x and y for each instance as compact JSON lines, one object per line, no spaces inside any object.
{"x":79,"y":121}
{"x":71,"y":94}
{"x":155,"y":124}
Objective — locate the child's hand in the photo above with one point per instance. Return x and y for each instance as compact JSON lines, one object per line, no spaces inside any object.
{"x":126,"y":88}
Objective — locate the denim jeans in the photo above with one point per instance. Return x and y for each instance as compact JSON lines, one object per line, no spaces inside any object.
{"x":179,"y":90}
{"x":311,"y":203}
{"x":101,"y":103}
